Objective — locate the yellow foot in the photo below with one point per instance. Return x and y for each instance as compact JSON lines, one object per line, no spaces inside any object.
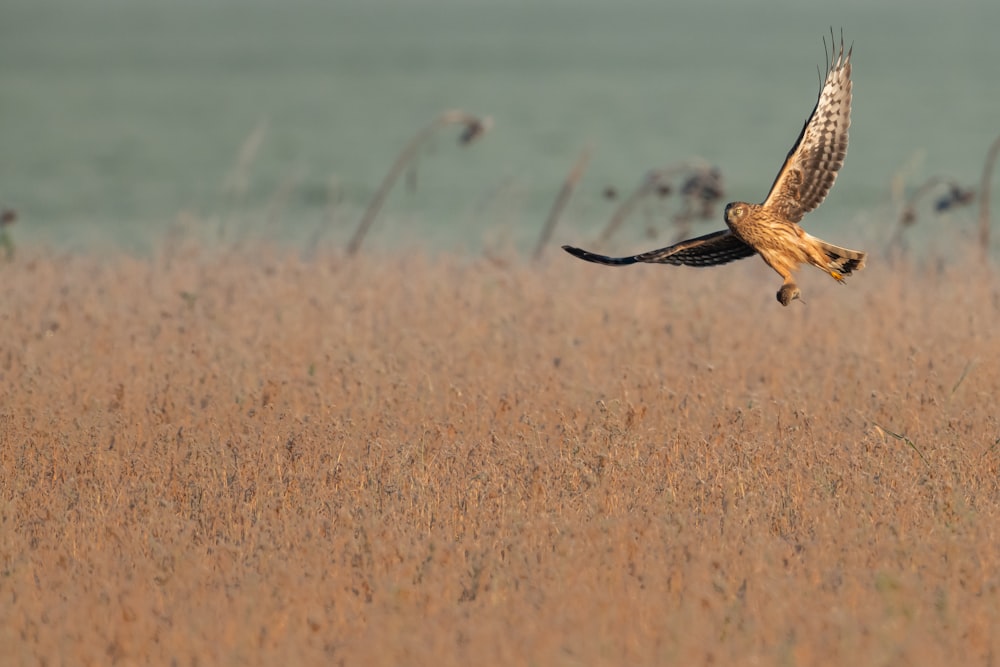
{"x":837,"y":276}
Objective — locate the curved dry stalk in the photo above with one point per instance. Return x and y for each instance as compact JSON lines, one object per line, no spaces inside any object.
{"x":984,"y":198}
{"x":8,"y":217}
{"x":237,"y":180}
{"x":654,"y":180}
{"x":957,"y":196}
{"x":902,"y":438}
{"x":473,"y":127}
{"x":572,"y":178}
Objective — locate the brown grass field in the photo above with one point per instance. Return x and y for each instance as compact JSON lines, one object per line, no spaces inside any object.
{"x":247,"y":457}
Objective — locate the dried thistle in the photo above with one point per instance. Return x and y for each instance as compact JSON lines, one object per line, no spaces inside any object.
{"x":701,"y":190}
{"x":984,"y":201}
{"x":955,"y":197}
{"x":473,"y":127}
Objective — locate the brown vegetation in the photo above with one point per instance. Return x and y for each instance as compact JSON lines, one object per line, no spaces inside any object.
{"x":221,"y":458}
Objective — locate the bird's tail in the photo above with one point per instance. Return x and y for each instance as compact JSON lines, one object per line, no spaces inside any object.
{"x":840,"y":262}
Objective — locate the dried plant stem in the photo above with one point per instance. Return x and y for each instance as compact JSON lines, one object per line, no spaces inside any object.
{"x":474,"y":127}
{"x":909,"y":443}
{"x":956,"y":197}
{"x":654,"y":179}
{"x":624,"y":209}
{"x":984,"y":198}
{"x":908,"y":216}
{"x":8,"y":217}
{"x":7,"y":243}
{"x":996,"y":443}
{"x":572,"y":178}
{"x":237,"y":181}
{"x":965,"y":373}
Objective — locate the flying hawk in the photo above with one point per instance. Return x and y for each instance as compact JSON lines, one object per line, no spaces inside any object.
{"x":771,"y":228}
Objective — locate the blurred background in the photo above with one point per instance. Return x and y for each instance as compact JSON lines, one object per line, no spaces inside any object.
{"x":120,"y":117}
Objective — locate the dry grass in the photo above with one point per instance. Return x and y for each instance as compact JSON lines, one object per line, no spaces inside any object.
{"x":243,"y":458}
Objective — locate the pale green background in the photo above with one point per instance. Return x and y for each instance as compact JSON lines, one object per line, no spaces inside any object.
{"x":117,"y":115}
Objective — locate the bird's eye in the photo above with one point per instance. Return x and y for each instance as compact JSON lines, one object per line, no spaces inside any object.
{"x":739,"y":211}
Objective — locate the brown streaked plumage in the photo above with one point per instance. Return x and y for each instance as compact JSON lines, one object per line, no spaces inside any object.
{"x":771,"y":228}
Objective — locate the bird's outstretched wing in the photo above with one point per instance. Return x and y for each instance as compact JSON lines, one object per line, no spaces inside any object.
{"x":708,"y":250}
{"x":811,"y":166}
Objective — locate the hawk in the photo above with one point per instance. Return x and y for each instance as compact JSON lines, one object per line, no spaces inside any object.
{"x":771,"y":229}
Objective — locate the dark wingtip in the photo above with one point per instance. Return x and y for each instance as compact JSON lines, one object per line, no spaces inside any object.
{"x":588,"y":256}
{"x":850,"y":49}
{"x":578,"y":252}
{"x":833,"y":54}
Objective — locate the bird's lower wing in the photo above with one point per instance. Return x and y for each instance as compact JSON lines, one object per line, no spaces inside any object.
{"x":709,"y":250}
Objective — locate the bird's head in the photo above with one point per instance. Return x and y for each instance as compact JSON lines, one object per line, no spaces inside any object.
{"x":736,"y":211}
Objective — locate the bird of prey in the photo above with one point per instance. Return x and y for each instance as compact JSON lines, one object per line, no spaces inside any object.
{"x":771,"y":228}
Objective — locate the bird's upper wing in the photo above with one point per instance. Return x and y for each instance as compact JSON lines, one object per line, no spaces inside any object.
{"x":708,"y":250}
{"x":811,"y":166}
